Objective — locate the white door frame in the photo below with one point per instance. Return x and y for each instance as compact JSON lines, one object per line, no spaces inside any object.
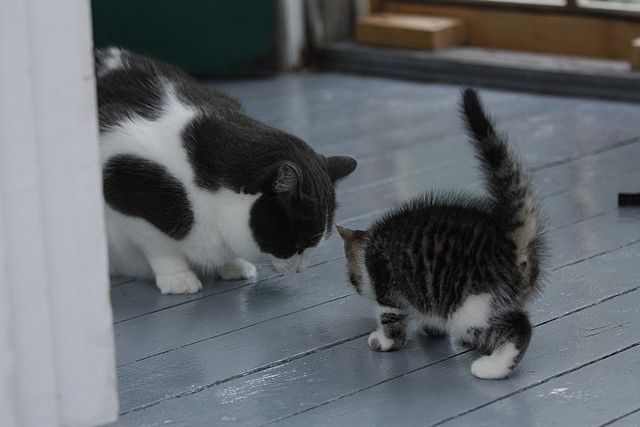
{"x":57,"y":364}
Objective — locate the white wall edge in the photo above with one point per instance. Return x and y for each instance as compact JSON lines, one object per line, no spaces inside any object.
{"x":56,"y":320}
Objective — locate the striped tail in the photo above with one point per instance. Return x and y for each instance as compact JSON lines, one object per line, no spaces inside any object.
{"x":508,"y":183}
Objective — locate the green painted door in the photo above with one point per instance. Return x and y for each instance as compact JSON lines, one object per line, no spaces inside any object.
{"x":201,"y":36}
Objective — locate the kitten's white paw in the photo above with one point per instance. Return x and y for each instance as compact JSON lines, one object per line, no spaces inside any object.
{"x":179,"y":283}
{"x":497,"y":365}
{"x":378,"y":342}
{"x":236,"y":270}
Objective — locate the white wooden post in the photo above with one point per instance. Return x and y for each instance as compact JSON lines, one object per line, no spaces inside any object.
{"x":291,"y":33}
{"x":56,"y":338}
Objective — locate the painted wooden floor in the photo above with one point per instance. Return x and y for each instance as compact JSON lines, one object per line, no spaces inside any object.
{"x":291,"y":350}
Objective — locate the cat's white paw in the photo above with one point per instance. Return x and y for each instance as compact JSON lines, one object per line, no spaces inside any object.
{"x":378,"y":342}
{"x":236,"y":270}
{"x":184,"y":282}
{"x":497,"y":365}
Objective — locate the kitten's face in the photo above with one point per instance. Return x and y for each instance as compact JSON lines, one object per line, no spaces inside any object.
{"x":354,"y":245}
{"x":296,"y":215}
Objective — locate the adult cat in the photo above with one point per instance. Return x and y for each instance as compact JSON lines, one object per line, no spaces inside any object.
{"x":190,"y":181}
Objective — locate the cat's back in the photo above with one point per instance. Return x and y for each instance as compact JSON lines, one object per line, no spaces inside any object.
{"x":131,"y":86}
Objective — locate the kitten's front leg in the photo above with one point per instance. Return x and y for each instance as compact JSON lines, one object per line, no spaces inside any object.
{"x":391,"y":333}
{"x":173,"y":274}
{"x":236,"y":270}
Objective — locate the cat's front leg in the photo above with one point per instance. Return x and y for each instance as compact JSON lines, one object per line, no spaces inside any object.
{"x":174,"y":275}
{"x":236,"y":270}
{"x":391,"y":333}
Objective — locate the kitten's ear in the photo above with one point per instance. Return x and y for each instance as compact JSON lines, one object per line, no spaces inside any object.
{"x":288,"y":179}
{"x":340,"y":166}
{"x":345,"y":233}
{"x":348,"y":234}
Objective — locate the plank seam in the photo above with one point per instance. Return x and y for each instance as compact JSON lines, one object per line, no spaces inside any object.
{"x":608,"y":423}
{"x":576,"y":222}
{"x":372,"y":214}
{"x":345,"y":340}
{"x":452,"y":356}
{"x":337,"y":343}
{"x":538,"y":383}
{"x":589,"y":153}
{"x":253,"y":371}
{"x":596,"y":255}
{"x":235,"y":330}
{"x":123,"y":282}
{"x":353,"y":293}
{"x":275,"y":276}
{"x":541,"y":167}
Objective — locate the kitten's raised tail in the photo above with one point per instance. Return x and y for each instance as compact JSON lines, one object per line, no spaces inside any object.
{"x":507,"y":181}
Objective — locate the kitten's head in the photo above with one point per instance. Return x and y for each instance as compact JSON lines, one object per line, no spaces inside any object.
{"x":295,"y":212}
{"x":354,"y":249}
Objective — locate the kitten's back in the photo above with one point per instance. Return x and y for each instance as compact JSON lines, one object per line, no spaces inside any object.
{"x":438,"y":249}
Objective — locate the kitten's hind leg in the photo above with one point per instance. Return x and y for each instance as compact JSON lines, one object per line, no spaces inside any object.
{"x":236,"y":270}
{"x":505,"y":342}
{"x":391,"y":333}
{"x":173,"y":274}
{"x":432,"y":327}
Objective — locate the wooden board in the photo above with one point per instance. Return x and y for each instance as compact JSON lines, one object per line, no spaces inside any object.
{"x":327,"y":380}
{"x":578,"y":398}
{"x":573,"y":200}
{"x":635,"y":54}
{"x":294,"y":346}
{"x":410,"y":31}
{"x":352,"y":318}
{"x":632,"y":419}
{"x":536,"y":31}
{"x":404,"y":168}
{"x":139,"y":374}
{"x":445,"y":388}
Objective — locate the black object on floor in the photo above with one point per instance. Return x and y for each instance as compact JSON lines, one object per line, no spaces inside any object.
{"x":628,"y":199}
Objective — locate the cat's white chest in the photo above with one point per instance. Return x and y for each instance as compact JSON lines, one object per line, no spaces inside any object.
{"x":221,"y":230}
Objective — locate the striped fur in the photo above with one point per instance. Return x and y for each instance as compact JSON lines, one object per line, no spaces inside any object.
{"x":465,"y":266}
{"x":509,"y":185}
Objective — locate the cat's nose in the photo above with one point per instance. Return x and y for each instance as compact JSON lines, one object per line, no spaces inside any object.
{"x":300,"y":268}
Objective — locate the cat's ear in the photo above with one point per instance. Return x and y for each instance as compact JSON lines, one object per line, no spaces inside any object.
{"x":288,"y":179}
{"x":340,"y":166}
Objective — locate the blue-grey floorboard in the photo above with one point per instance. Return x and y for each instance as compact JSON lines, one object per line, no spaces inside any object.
{"x":630,"y":419}
{"x":590,"y":395}
{"x":292,"y":349}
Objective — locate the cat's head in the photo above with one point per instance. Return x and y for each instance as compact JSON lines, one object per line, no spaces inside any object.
{"x":355,"y":242}
{"x":295,"y":212}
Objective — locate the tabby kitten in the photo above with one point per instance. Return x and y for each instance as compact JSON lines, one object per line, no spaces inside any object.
{"x":193,"y":183}
{"x":465,"y":266}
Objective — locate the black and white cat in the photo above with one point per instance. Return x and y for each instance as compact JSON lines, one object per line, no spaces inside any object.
{"x":192,"y":182}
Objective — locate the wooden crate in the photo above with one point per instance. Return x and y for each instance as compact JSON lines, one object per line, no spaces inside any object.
{"x":635,"y":54}
{"x":410,"y":31}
